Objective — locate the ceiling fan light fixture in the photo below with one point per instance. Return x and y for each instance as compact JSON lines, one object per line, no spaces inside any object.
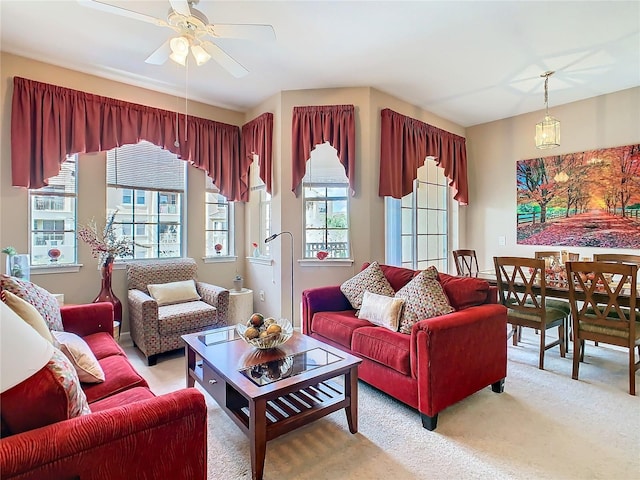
{"x":179,"y":58}
{"x":200,"y":54}
{"x":180,"y":46}
{"x":548,"y":130}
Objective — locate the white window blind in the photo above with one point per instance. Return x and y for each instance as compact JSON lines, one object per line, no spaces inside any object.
{"x":145,"y":167}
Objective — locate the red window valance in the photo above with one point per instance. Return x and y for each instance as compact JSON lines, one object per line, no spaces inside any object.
{"x":315,"y":125}
{"x":257,"y":138}
{"x":406,"y":142}
{"x":49,"y":122}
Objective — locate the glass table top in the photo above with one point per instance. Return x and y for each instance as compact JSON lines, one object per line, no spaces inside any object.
{"x":272,"y":371}
{"x":219,"y":335}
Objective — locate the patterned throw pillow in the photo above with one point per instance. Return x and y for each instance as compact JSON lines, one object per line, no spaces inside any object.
{"x":45,"y":303}
{"x":51,"y":395}
{"x":423,"y":298}
{"x":370,"y":279}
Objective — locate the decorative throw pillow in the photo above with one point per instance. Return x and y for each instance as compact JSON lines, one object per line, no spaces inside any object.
{"x":28,"y":313}
{"x":424,"y":298}
{"x":50,"y":395}
{"x":174,"y":292}
{"x":370,"y":279}
{"x":81,"y":356}
{"x":43,"y":301}
{"x":381,"y":310}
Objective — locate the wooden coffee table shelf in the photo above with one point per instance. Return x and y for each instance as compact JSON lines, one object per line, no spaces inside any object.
{"x":272,"y":406}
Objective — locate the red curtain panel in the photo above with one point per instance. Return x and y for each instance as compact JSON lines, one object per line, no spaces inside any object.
{"x":257,"y":138}
{"x":49,"y":122}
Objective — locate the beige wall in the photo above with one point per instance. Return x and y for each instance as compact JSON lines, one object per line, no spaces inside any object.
{"x":83,"y":286}
{"x":494,"y":148}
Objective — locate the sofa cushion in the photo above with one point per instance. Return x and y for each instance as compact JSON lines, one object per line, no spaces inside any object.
{"x":391,"y":349}
{"x":370,"y":279}
{"x":398,"y":277}
{"x":424,"y":298}
{"x":28,"y":313}
{"x":464,"y":292}
{"x":81,"y":356}
{"x":51,"y":395}
{"x":381,"y":310}
{"x":337,"y":326}
{"x":174,"y":292}
{"x":43,"y":301}
{"x":185,"y":317}
{"x":126,"y":397}
{"x":103,"y":345}
{"x":119,"y":375}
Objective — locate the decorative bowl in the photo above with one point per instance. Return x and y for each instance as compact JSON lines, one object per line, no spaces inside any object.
{"x":269,"y":341}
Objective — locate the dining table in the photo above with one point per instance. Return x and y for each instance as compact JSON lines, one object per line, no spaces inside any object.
{"x":557,"y":287}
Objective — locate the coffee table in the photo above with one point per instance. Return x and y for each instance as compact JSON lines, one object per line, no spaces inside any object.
{"x":268,"y":393}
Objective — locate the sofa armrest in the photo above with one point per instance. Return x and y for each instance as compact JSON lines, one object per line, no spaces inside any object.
{"x":492,"y":295}
{"x":217,"y":297}
{"x":86,"y":319}
{"x":163,"y":437}
{"x":322,"y":299}
{"x":455,"y":355}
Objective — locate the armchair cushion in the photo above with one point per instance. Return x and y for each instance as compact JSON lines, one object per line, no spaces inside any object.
{"x":37,"y":296}
{"x":174,"y":292}
{"x":370,"y":279}
{"x":81,"y":357}
{"x":51,"y":395}
{"x":182,"y":317}
{"x":424,"y":298}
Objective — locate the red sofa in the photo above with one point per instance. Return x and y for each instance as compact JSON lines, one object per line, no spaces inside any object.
{"x":130,"y":433}
{"x":444,"y":360}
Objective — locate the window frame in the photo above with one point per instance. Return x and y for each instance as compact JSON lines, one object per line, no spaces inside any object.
{"x":229,"y":232}
{"x":310,"y":252}
{"x":51,"y":195}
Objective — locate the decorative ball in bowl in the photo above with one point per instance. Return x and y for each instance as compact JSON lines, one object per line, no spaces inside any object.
{"x":265,"y":333}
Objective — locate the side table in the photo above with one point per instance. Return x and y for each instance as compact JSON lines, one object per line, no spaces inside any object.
{"x":240,"y":306}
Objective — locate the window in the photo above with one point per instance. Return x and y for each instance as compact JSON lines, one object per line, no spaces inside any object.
{"x":53,"y":218}
{"x":218,"y":213}
{"x":326,"y":205}
{"x":417,"y":226}
{"x":155,"y":179}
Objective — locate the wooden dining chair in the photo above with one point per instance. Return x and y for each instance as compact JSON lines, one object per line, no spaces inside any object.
{"x":595,"y":290}
{"x":522,"y":289}
{"x":466,"y":262}
{"x":617,"y":257}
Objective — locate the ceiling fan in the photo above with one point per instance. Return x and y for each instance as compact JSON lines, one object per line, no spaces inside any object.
{"x":193,"y":29}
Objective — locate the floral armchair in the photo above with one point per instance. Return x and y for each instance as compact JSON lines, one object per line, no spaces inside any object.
{"x":157,"y":321}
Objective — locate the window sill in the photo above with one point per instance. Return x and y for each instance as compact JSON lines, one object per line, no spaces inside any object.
{"x":333,"y":262}
{"x":48,"y":269}
{"x":220,"y":259}
{"x":260,"y":260}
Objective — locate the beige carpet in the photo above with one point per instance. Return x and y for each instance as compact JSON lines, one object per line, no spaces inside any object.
{"x":544,"y":426}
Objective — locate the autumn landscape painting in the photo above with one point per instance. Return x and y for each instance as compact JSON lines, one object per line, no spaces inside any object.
{"x":586,"y":199}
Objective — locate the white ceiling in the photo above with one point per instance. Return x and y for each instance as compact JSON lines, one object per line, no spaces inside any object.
{"x":469,"y":62}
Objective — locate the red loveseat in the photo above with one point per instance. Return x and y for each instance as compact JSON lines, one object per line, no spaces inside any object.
{"x":130,"y":433}
{"x":444,"y":360}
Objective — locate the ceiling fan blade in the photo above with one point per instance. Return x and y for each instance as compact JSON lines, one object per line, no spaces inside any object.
{"x":181,"y":6}
{"x":123,"y":12}
{"x":161,"y":55}
{"x":228,"y":63}
{"x":247,"y":31}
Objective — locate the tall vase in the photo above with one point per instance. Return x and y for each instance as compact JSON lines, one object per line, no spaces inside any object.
{"x":107,"y":295}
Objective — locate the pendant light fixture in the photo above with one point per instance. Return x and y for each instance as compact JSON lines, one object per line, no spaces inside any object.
{"x":548,"y":130}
